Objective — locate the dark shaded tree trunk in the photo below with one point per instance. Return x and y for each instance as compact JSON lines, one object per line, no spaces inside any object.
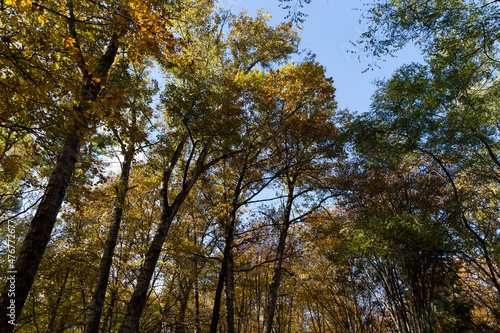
{"x":197,"y":323}
{"x":108,"y":319}
{"x":230,"y":293}
{"x":185,"y":285}
{"x":96,"y":305}
{"x":272,"y":294}
{"x":38,"y":236}
{"x":40,"y":230}
{"x":227,"y":263}
{"x":221,"y":280}
{"x":139,"y":296}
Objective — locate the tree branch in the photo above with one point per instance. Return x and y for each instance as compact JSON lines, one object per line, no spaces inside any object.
{"x":72,"y":33}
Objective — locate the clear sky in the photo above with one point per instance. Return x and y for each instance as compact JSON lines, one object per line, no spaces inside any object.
{"x":330,"y":27}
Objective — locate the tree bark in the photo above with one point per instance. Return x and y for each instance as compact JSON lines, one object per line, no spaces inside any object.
{"x":220,"y":283}
{"x":108,"y":323}
{"x":272,"y":294}
{"x":230,"y":293}
{"x":197,"y":324}
{"x":96,"y":305}
{"x":227,"y":263}
{"x":139,"y":296}
{"x":23,"y":274}
{"x":185,"y":286}
{"x":196,"y":294}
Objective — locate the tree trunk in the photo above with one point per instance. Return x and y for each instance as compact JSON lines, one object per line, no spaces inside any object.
{"x":197,"y":307}
{"x":139,"y":296}
{"x":242,"y":316}
{"x":196,"y":294}
{"x":108,"y":319}
{"x":220,"y":284}
{"x":272,"y":295}
{"x":185,"y":286}
{"x":230,"y":293}
{"x":21,"y":277}
{"x":226,"y":260}
{"x":23,"y":274}
{"x":99,"y":295}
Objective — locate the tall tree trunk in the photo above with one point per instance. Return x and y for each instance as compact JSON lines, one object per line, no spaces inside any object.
{"x":258,"y":296}
{"x":96,"y":305}
{"x":243,"y":311}
{"x":220,"y":283}
{"x":229,"y":233}
{"x":108,"y":318}
{"x":185,"y":285}
{"x":139,"y":296}
{"x":23,"y":274}
{"x":197,"y":324}
{"x":272,"y":294}
{"x":230,"y":293}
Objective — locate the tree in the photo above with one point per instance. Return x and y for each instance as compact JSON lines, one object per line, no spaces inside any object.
{"x":298,"y":105}
{"x":240,"y":184}
{"x":403,"y":217}
{"x":202,"y":91}
{"x":294,"y":9}
{"x":67,"y":77}
{"x":445,"y":109}
{"x":129,"y":137}
{"x":333,"y":283}
{"x":179,"y":226}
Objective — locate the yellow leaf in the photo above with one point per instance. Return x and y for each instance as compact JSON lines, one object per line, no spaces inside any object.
{"x":41,"y":19}
{"x":69,"y":41}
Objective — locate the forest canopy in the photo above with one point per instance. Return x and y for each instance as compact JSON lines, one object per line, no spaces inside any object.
{"x":166,"y":167}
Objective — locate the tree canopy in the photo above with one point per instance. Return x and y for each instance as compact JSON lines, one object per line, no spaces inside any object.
{"x":166,"y":167}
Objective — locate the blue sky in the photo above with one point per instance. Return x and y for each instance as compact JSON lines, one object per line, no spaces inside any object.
{"x":330,"y":27}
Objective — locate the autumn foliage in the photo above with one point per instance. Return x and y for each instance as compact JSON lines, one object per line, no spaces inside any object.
{"x":166,"y":167}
